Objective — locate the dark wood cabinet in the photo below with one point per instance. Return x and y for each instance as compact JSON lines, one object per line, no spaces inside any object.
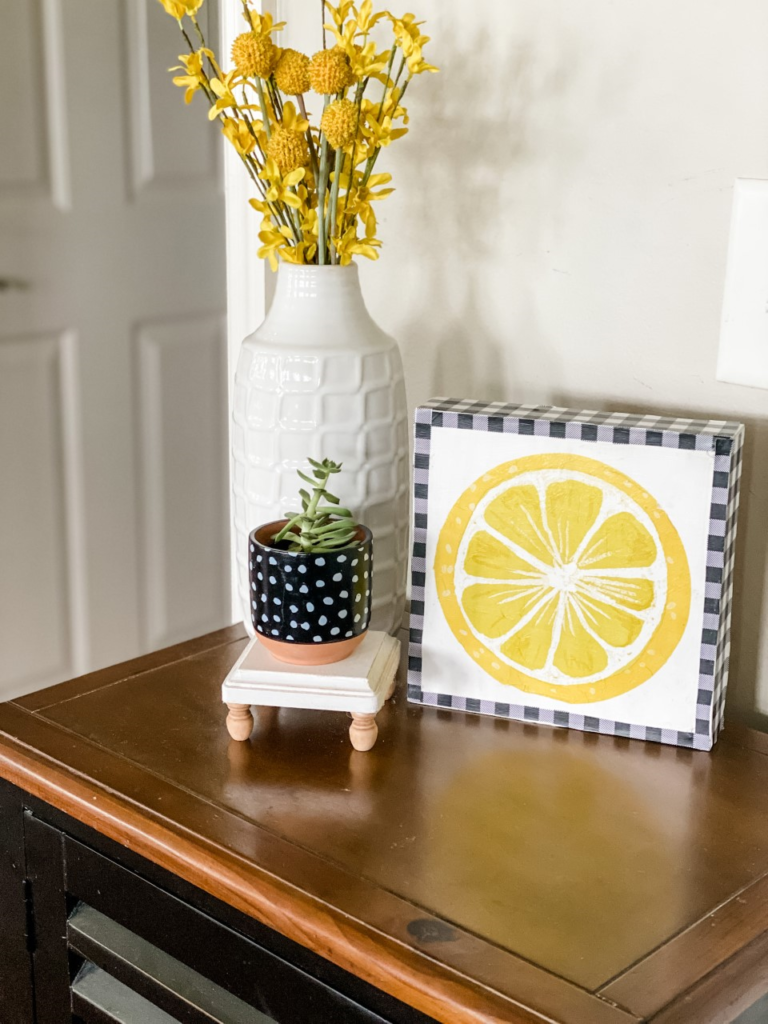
{"x":466,"y":870}
{"x":96,"y":935}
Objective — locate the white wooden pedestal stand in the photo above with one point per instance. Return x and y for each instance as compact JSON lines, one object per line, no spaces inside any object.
{"x":360,"y":684}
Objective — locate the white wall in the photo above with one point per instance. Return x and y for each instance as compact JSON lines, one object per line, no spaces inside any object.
{"x":560,"y":227}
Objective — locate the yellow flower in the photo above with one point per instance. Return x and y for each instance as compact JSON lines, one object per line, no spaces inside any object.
{"x":288,"y":148}
{"x":195,"y":76}
{"x":254,"y":56}
{"x":291,"y":119}
{"x":339,"y":122}
{"x":242,"y":137}
{"x":349,"y":245}
{"x":329,"y":72}
{"x":223,"y":89}
{"x":411,"y":41}
{"x":272,"y":239}
{"x":262,"y":24}
{"x":178,"y":8}
{"x":363,"y":195}
{"x":381,"y":133}
{"x":291,"y":73}
{"x":340,"y":12}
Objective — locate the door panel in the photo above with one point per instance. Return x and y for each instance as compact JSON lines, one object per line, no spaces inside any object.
{"x":113,"y":537}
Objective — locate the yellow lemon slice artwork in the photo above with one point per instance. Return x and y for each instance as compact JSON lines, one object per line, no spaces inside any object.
{"x":561,"y":576}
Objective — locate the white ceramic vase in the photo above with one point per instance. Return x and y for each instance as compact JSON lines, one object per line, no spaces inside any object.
{"x":319,"y":378}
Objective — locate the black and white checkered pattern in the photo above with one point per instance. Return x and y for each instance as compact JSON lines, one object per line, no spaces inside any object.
{"x":723,"y":438}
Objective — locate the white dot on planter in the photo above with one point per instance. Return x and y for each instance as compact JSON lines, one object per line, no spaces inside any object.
{"x":253,"y":604}
{"x":354,"y":561}
{"x":310,"y":606}
{"x":288,"y":568}
{"x":260,"y":628}
{"x":302,"y":568}
{"x":337,"y":577}
{"x":289,"y":638}
{"x":253,"y":547}
{"x":317,"y":639}
{"x":288,"y":586}
{"x":275,"y":618}
{"x":253,"y":586}
{"x":357,"y":618}
{"x":355,"y":579}
{"x":365,"y":556}
{"x":250,"y":565}
{"x":258,"y":558}
{"x":272,"y":580}
{"x":344,"y":593}
{"x":322,"y":620}
{"x":265,"y":618}
{"x":341,"y":558}
{"x":303,"y":590}
{"x":294,"y":608}
{"x":319,"y":561}
{"x":349,"y":633}
{"x":276,"y":600}
{"x":275,"y":632}
{"x":343,"y":613}
{"x":260,"y":575}
{"x":335,"y":630}
{"x":365,"y":574}
{"x":305,"y":625}
{"x":294,"y":624}
{"x":320,"y":583}
{"x":327,"y":600}
{"x":272,"y":561}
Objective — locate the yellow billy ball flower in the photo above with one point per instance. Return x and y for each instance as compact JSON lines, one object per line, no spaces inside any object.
{"x":329,"y":72}
{"x":254,"y":56}
{"x":288,"y":149}
{"x":339,"y":122}
{"x":291,"y":73}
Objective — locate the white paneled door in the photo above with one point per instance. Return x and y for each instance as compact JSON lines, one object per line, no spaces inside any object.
{"x":113,"y":512}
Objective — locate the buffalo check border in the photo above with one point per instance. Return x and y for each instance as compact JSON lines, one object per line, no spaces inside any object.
{"x":723,"y":439}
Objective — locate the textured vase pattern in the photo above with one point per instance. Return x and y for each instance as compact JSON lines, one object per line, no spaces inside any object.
{"x":320,"y":379}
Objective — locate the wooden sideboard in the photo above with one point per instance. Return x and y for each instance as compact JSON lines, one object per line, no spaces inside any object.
{"x":465,"y":870}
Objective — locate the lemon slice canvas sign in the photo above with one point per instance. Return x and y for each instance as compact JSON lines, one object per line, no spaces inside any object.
{"x":574,"y":568}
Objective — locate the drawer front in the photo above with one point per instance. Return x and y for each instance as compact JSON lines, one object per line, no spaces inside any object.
{"x":112,"y":947}
{"x":255,"y":976}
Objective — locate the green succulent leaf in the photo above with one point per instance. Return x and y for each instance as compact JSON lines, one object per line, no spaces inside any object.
{"x":319,"y":527}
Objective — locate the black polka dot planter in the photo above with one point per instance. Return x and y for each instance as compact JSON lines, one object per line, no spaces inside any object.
{"x":309,"y":609}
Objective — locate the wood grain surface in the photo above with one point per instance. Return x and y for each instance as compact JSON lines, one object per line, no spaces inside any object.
{"x":477,"y":869}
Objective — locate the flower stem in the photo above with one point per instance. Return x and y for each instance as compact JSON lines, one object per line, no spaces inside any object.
{"x":247,"y":11}
{"x":334,"y":203}
{"x":264,"y":110}
{"x":321,"y":188}
{"x":310,"y":140}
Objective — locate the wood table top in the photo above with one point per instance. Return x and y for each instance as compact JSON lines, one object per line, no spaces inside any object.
{"x":478,"y":869}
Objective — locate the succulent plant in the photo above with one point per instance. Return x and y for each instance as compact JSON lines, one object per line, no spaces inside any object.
{"x":322,"y":525}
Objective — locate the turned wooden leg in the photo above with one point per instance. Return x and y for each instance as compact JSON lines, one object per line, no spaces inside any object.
{"x":239,"y":721}
{"x":363,"y":731}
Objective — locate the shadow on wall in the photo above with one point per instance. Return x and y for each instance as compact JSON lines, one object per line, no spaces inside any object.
{"x":455,"y":218}
{"x":749,"y":598}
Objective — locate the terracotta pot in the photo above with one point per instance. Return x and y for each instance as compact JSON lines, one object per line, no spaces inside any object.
{"x":309,"y":609}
